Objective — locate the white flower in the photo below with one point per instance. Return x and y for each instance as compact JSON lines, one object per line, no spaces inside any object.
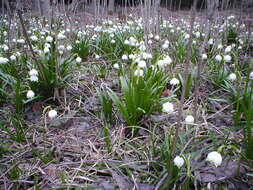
{"x":13,"y":57}
{"x":78,"y":59}
{"x":157,"y":37}
{"x":189,"y":119}
{"x":204,"y":56}
{"x":30,"y":94}
{"x":33,"y":72}
{"x":174,"y":81}
{"x":186,"y":36}
{"x":61,"y":36}
{"x":97,"y":56}
{"x":150,"y":42}
{"x":232,"y":77}
{"x":168,"y":107}
{"x":116,"y":66}
{"x":197,"y":34}
{"x":167,"y":60}
{"x":46,"y":50}
{"x":124,"y":57}
{"x":3,"y":60}
{"x":160,"y":63}
{"x":34,"y":78}
{"x":178,"y":161}
{"x":126,"y":42}
{"x":218,"y":58}
{"x":113,"y":41}
{"x":142,"y":64}
{"x":215,"y":158}
{"x":139,"y":73}
{"x":210,"y":42}
{"x":34,"y":38}
{"x":251,"y":75}
{"x":219,"y":46}
{"x":21,"y":41}
{"x":228,"y":49}
{"x":52,"y":114}
{"x":61,"y":47}
{"x":227,"y":58}
{"x":69,"y":47}
{"x":49,"y":39}
{"x":165,"y":46}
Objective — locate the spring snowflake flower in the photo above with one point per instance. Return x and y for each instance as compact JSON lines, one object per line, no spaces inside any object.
{"x":167,"y":60}
{"x":34,"y":78}
{"x":49,"y":39}
{"x":61,"y":36}
{"x":227,"y":58}
{"x":126,"y":42}
{"x":251,"y":75}
{"x":165,"y":46}
{"x":228,"y":49}
{"x":186,"y":36}
{"x":52,"y":114}
{"x":174,"y":81}
{"x":30,"y":94}
{"x":142,"y":64}
{"x":113,"y":41}
{"x":124,"y":57}
{"x":232,"y":77}
{"x":116,"y":66}
{"x":33,"y":72}
{"x":204,"y":56}
{"x":78,"y":59}
{"x":215,"y":158}
{"x":46,"y":50}
{"x":69,"y":47}
{"x":34,"y":38}
{"x":139,"y":73}
{"x":157,"y":37}
{"x":21,"y":41}
{"x":218,"y":58}
{"x":210,"y":42}
{"x":168,"y":107}
{"x":13,"y":57}
{"x":219,"y":46}
{"x":3,"y":60}
{"x":197,"y":34}
{"x":178,"y":161}
{"x":189,"y":119}
{"x":97,"y":56}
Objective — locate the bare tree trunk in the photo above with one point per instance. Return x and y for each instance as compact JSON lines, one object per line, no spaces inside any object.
{"x":111,"y":7}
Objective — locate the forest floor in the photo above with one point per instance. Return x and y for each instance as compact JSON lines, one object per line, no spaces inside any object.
{"x":79,"y":150}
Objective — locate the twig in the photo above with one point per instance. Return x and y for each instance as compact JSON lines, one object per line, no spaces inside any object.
{"x":211,"y":7}
{"x":29,"y":43}
{"x":186,"y":74}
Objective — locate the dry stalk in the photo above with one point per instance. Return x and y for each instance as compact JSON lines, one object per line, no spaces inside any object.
{"x":211,"y":8}
{"x":186,"y":74}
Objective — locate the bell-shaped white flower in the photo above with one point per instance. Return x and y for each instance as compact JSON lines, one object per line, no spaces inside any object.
{"x":174,"y":81}
{"x":227,"y":58}
{"x":218,"y":58}
{"x":139,"y":73}
{"x":168,"y":107}
{"x":78,"y":59}
{"x":232,"y":77}
{"x":30,"y":94}
{"x":178,"y":161}
{"x":215,"y":158}
{"x":189,"y":119}
{"x":52,"y":114}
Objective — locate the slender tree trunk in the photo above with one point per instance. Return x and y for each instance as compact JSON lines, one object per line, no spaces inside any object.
{"x":111,"y":7}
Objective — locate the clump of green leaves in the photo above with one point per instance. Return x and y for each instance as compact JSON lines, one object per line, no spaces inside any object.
{"x":140,"y":95}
